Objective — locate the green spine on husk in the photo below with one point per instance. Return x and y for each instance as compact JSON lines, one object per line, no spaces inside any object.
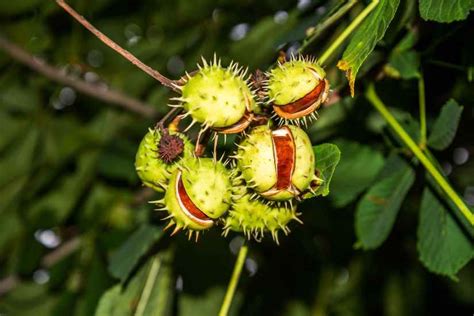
{"x":151,"y":169}
{"x":254,"y":218}
{"x":257,"y":161}
{"x":207,"y":184}
{"x":293,"y":80}
{"x":216,"y":96}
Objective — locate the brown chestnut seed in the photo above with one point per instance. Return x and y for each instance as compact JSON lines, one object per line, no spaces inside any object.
{"x":295,"y":89}
{"x":306,"y":105}
{"x":277,"y":164}
{"x":238,"y":127}
{"x":284,"y":153}
{"x":187,"y":205}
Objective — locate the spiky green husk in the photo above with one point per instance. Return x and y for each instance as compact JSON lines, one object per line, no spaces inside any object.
{"x":176,"y":214}
{"x":152,"y":170}
{"x":216,"y":96}
{"x":257,"y":162}
{"x":208,"y":184}
{"x":293,"y":80}
{"x":305,"y":160}
{"x":254,"y":218}
{"x":255,"y":159}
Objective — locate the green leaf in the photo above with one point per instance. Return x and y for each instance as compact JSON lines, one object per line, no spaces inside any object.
{"x":406,"y":63}
{"x":124,"y":260}
{"x":12,"y":128}
{"x":149,"y":292}
{"x":378,"y":208}
{"x":10,"y":229}
{"x":20,"y":160}
{"x":54,"y":207}
{"x":28,"y":299}
{"x":442,"y":245}
{"x":357,"y":169}
{"x":369,"y":33}
{"x":327,"y":158}
{"x":207,"y":303}
{"x":445,"y":11}
{"x":445,"y":126}
{"x":108,"y":301}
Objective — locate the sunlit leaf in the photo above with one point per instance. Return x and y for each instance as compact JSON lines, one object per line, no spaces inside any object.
{"x":364,"y":39}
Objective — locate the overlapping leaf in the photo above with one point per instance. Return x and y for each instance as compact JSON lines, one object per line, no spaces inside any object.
{"x":327,"y":158}
{"x":445,"y":126}
{"x":445,"y":10}
{"x":125,"y":259}
{"x":378,"y":208}
{"x":443,"y":246}
{"x":358,"y":167}
{"x":150,"y":292}
{"x":364,"y":39}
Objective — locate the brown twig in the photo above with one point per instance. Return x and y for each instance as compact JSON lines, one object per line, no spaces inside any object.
{"x":125,"y":53}
{"x":59,"y":253}
{"x":8,"y":283}
{"x":55,"y":74}
{"x":170,"y":115}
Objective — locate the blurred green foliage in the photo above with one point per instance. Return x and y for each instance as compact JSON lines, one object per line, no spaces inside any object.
{"x":76,"y":233}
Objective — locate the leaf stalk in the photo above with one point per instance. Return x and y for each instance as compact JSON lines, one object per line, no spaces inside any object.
{"x":348,"y":31}
{"x":425,"y":161}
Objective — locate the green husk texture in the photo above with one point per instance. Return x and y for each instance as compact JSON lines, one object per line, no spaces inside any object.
{"x":256,"y":160}
{"x":255,"y":218}
{"x":217,"y":96}
{"x":208,"y":184}
{"x":176,"y":214}
{"x":153,"y":172}
{"x":293,"y":80}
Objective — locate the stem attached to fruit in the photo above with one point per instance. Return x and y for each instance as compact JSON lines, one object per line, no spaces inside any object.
{"x":116,"y":47}
{"x":437,"y":176}
{"x":348,"y":31}
{"x":170,"y":115}
{"x":229,"y":295}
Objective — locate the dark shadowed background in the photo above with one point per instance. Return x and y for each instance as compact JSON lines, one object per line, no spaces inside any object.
{"x":74,"y":218}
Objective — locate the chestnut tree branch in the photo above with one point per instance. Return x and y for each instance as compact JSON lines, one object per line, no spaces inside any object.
{"x":99,"y":92}
{"x":125,"y":53}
